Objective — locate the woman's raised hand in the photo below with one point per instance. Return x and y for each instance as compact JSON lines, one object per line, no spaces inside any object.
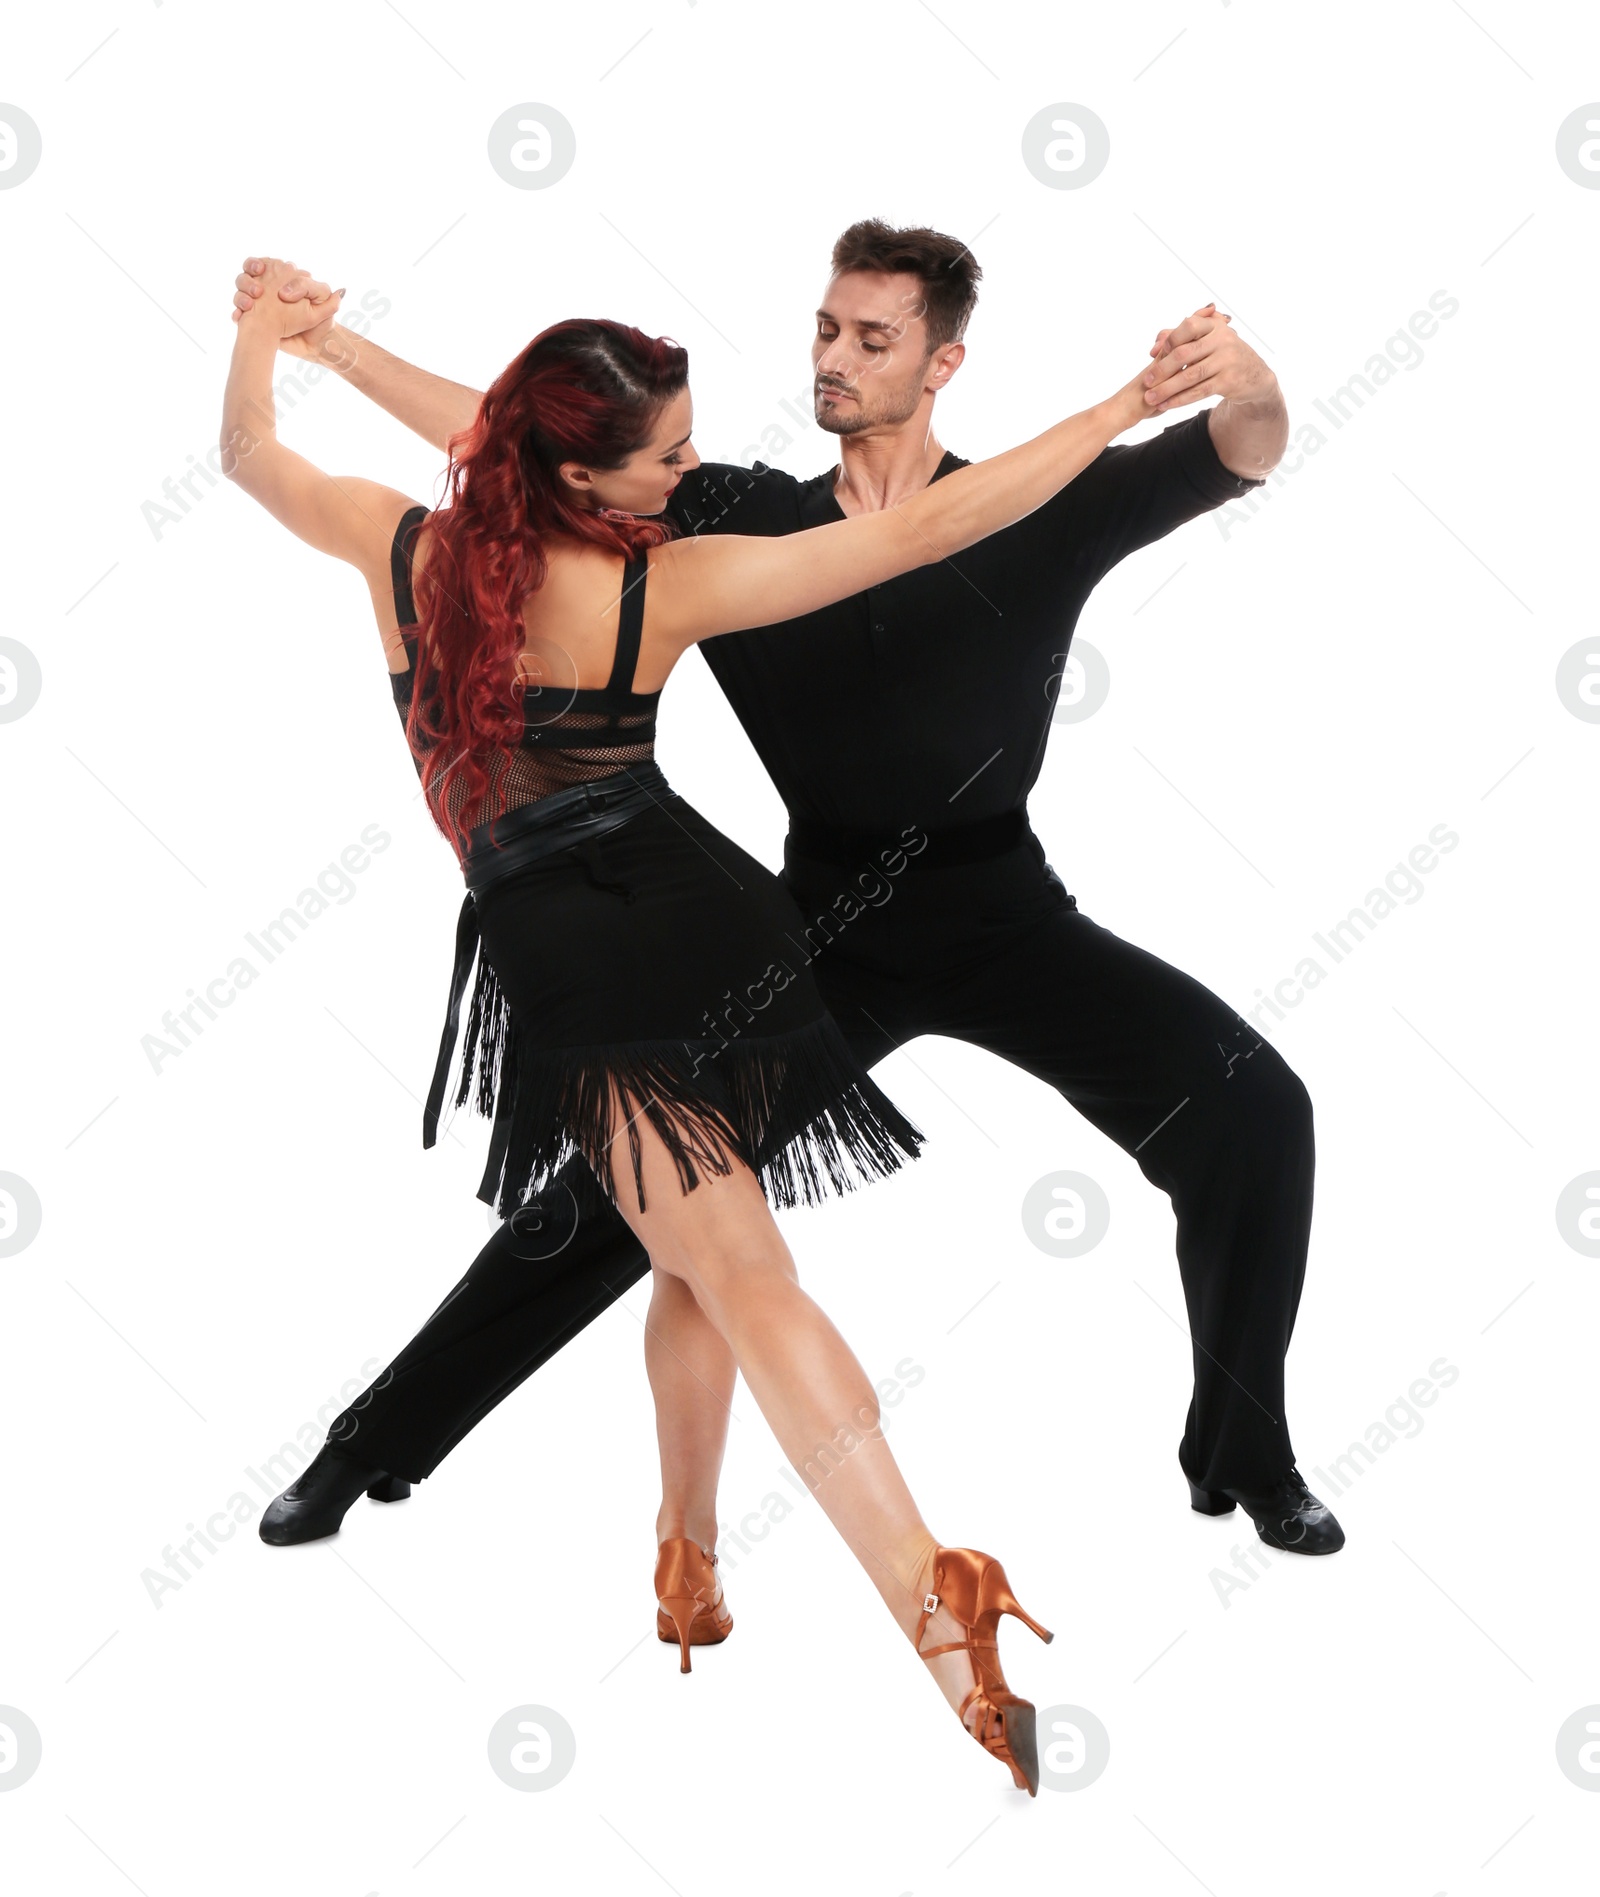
{"x":298,"y":308}
{"x":1203,"y":357}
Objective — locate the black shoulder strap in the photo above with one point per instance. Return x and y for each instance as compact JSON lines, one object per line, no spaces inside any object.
{"x":400,"y":565}
{"x":630,"y":624}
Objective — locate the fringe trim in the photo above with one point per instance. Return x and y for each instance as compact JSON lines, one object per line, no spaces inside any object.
{"x":798,"y":1109}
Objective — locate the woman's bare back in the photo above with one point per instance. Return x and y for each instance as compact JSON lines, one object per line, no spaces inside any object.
{"x":570,"y":623}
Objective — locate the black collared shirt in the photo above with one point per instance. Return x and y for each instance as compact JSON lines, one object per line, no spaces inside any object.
{"x":927,"y":700}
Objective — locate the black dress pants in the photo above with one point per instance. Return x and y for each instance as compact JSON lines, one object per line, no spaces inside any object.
{"x":997,"y":953}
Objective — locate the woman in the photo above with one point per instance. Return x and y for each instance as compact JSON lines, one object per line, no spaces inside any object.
{"x":634,"y":1002}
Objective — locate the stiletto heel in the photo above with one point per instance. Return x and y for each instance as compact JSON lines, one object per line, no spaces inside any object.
{"x":390,"y":1488}
{"x":972,"y":1588}
{"x":1009,"y":1604}
{"x":689,"y":1604}
{"x":681,"y":1613}
{"x":1209,"y":1501}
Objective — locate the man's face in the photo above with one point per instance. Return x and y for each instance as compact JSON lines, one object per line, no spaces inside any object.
{"x":870,"y":354}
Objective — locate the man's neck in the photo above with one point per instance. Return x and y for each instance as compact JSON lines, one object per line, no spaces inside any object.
{"x":879,"y":469}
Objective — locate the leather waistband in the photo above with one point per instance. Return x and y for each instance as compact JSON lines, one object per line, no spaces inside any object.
{"x":560,"y":822}
{"x":942,"y":848}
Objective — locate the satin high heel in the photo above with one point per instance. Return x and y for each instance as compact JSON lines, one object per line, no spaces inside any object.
{"x":689,"y":1604}
{"x":973,"y":1590}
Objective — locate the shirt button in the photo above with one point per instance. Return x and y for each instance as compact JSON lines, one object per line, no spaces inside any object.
{"x":877,"y":625}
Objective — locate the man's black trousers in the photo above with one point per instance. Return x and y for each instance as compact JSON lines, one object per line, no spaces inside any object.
{"x":997,"y":953}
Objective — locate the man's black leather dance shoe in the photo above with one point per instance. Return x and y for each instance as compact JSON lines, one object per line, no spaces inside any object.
{"x":1287,"y":1516}
{"x":314,"y":1504}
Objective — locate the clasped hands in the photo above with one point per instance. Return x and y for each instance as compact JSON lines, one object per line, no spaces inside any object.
{"x":1200,"y":357}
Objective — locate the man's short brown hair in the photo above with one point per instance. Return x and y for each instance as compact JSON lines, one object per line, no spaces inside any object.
{"x":947,"y":270}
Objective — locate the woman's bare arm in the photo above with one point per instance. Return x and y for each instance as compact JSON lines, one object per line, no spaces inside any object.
{"x":351,"y":518}
{"x":718,"y":583}
{"x":431,"y":405}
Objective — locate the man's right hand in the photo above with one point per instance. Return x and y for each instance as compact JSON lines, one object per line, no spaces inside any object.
{"x":299,"y":288}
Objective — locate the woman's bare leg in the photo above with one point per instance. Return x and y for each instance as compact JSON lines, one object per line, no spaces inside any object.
{"x":721,"y":1243}
{"x":691,"y":1371}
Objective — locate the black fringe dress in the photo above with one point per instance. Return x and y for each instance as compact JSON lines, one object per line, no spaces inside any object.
{"x":623,"y":941}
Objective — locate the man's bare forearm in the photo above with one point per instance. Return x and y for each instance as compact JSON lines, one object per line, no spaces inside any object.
{"x":432,"y":405}
{"x":1251,"y":435}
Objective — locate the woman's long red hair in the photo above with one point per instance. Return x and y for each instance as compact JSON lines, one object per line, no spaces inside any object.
{"x":585,"y":390}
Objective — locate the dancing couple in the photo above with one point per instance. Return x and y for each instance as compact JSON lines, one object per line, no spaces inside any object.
{"x":889,"y":636}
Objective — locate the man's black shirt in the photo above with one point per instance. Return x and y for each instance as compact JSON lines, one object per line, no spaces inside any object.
{"x":927,"y":700}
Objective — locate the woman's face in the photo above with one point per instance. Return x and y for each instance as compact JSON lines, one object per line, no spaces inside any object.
{"x":646,"y":479}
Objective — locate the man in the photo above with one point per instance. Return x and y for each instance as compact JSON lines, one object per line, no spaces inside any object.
{"x":904,"y":729}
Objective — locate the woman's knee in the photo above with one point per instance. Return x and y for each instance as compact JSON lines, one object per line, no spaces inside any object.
{"x":719,"y":1259}
{"x":668,"y":1288}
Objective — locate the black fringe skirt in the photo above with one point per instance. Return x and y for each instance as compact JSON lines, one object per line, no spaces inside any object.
{"x":655,"y":963}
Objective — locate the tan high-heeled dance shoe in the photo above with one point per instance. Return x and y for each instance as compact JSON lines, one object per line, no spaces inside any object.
{"x":689,"y":1604}
{"x":972,"y":1588}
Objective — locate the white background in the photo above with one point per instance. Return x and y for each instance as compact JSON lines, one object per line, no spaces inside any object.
{"x":1297,"y":697}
